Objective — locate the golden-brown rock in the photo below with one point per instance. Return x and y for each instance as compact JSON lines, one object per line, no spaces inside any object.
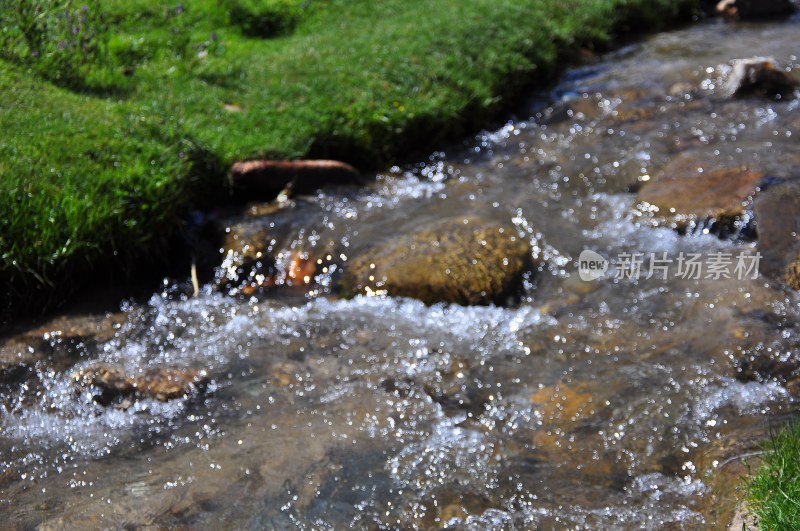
{"x":168,"y":383}
{"x":689,"y":189}
{"x":58,"y":341}
{"x":791,"y":274}
{"x":110,"y":379}
{"x":464,"y":261}
{"x":162,"y":383}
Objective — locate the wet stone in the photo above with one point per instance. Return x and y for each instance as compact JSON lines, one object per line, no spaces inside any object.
{"x":564,"y":402}
{"x":113,"y":383}
{"x":455,"y":393}
{"x":760,"y":76}
{"x":681,"y":89}
{"x":690,"y":191}
{"x":763,"y":366}
{"x":249,"y":268}
{"x":452,"y":504}
{"x":400,"y":387}
{"x":464,"y":261}
{"x":58,"y":341}
{"x":246,"y":264}
{"x":453,"y":398}
{"x":166,"y":384}
{"x":777,"y":214}
{"x":248,"y":240}
{"x":283,"y":374}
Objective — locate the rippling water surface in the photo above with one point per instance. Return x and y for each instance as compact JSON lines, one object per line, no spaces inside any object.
{"x":613,"y":404}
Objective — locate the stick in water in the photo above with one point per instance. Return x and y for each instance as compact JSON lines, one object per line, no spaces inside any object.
{"x":195,"y":283}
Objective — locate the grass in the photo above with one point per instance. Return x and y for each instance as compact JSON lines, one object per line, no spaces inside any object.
{"x":100,"y":167}
{"x":775,"y":490}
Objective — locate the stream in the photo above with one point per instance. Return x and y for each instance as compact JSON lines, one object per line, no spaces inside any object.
{"x":617,"y":403}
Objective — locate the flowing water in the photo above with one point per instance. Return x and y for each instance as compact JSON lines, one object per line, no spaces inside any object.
{"x":607,"y":404}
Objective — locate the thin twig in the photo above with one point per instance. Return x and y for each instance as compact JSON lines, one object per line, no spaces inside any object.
{"x":195,"y":282}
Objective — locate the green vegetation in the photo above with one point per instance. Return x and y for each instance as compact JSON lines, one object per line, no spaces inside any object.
{"x":117,"y":115}
{"x":61,"y":41}
{"x":775,"y":490}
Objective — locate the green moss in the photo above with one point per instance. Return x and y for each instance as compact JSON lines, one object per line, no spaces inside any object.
{"x":775,"y":490}
{"x":97,"y":168}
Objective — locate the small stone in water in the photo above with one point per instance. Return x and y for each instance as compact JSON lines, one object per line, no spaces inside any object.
{"x":760,"y":76}
{"x":162,"y":384}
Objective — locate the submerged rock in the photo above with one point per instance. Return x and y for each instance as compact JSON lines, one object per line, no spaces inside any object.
{"x":246,"y":264}
{"x":451,"y":504}
{"x":563,"y":403}
{"x":777,"y":215}
{"x":250,"y":265}
{"x":688,"y":191}
{"x":168,"y":383}
{"x":464,"y":261}
{"x":454,"y":385}
{"x":765,"y":366}
{"x":760,"y":76}
{"x":163,"y":384}
{"x":58,"y":342}
{"x":111,"y":381}
{"x":743,"y":9}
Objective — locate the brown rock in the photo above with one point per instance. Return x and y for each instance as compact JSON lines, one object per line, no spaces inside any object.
{"x":743,"y":9}
{"x":777,"y":214}
{"x":266,"y":178}
{"x":465,"y":261}
{"x":249,"y":268}
{"x":760,"y":76}
{"x":760,"y":366}
{"x":688,"y":190}
{"x":301,"y":269}
{"x":112,"y":382}
{"x":284,"y":374}
{"x":162,"y":384}
{"x":450,"y":504}
{"x":791,"y":274}
{"x":58,"y":340}
{"x":248,"y":240}
{"x":167,"y":383}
